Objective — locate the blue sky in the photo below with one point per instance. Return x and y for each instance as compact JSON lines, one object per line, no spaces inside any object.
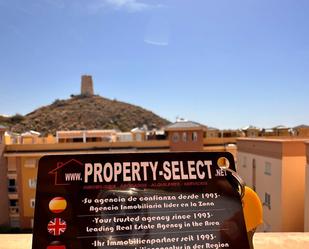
{"x":224,"y":63}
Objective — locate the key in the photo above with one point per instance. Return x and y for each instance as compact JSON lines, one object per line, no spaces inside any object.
{"x":253,"y":212}
{"x":252,"y":206}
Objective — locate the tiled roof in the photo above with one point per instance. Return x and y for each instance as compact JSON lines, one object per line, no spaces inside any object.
{"x":31,"y":133}
{"x":185,"y":125}
{"x":212,"y":128}
{"x":301,"y":126}
{"x":278,"y":127}
{"x":250,"y":127}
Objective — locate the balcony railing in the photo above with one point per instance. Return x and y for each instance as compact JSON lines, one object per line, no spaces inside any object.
{"x":14,"y":210}
{"x":12,"y":189}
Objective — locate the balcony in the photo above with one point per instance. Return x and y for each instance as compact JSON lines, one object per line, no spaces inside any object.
{"x":14,"y":211}
{"x":12,"y":192}
{"x":12,"y":189}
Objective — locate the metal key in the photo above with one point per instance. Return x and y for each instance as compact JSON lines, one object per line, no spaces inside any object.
{"x":253,"y":212}
{"x":252,"y":206}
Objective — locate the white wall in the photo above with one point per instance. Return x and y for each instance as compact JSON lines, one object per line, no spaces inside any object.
{"x":270,"y":184}
{"x":293,"y":193}
{"x":244,"y":167}
{"x":306,"y":226}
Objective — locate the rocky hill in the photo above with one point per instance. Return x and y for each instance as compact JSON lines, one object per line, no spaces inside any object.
{"x":84,"y":112}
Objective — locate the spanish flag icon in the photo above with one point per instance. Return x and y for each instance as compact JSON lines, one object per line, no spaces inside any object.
{"x":56,"y":245}
{"x":57,"y":205}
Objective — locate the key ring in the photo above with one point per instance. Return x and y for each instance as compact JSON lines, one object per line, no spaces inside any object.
{"x":240,"y":181}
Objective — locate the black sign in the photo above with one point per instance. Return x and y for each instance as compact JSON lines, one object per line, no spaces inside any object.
{"x":140,"y":201}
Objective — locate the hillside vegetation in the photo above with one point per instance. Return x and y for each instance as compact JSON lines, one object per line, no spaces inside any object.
{"x":84,"y":112}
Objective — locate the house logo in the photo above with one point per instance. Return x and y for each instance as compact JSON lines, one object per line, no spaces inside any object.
{"x":68,"y":172}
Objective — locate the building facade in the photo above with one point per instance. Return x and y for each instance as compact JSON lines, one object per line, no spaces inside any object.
{"x":4,"y":208}
{"x":20,"y":158}
{"x":86,"y":136}
{"x":275,"y":169}
{"x":265,"y":164}
{"x":307,"y":190}
{"x":301,"y":131}
{"x":251,"y":131}
{"x":186,"y":136}
{"x":212,"y":132}
{"x":20,"y":162}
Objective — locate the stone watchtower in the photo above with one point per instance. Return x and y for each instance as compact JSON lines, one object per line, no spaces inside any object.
{"x":87,"y":85}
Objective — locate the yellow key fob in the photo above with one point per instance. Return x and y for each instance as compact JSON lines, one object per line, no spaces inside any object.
{"x":252,"y":208}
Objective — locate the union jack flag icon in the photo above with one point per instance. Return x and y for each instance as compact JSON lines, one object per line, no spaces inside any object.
{"x":56,"y":226}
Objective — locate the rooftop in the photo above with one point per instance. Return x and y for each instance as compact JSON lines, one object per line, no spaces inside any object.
{"x":278,"y":140}
{"x":212,"y":128}
{"x":250,"y":127}
{"x":184,"y":125}
{"x":301,"y":126}
{"x":30,"y":133}
{"x":2,"y":127}
{"x":280,"y":127}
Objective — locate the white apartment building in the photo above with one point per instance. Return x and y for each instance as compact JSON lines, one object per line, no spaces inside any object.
{"x":307,"y":191}
{"x":275,"y":169}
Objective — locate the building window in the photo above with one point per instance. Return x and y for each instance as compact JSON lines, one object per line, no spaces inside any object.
{"x":244,"y":165}
{"x":267,"y":201}
{"x":13,"y":210}
{"x":78,"y":140}
{"x":13,"y":203}
{"x":14,"y":222}
{"x":30,"y":163}
{"x":13,"y":207}
{"x":175,"y":137}
{"x":138,"y":137}
{"x":92,"y":139}
{"x":253,"y":134}
{"x":267,"y":168}
{"x":194,"y":136}
{"x":125,"y":137}
{"x":184,"y":136}
{"x":32,"y":202}
{"x":12,"y":186}
{"x":32,"y":183}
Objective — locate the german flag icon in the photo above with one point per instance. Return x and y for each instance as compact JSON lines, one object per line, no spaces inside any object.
{"x":57,"y":205}
{"x":56,"y":245}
